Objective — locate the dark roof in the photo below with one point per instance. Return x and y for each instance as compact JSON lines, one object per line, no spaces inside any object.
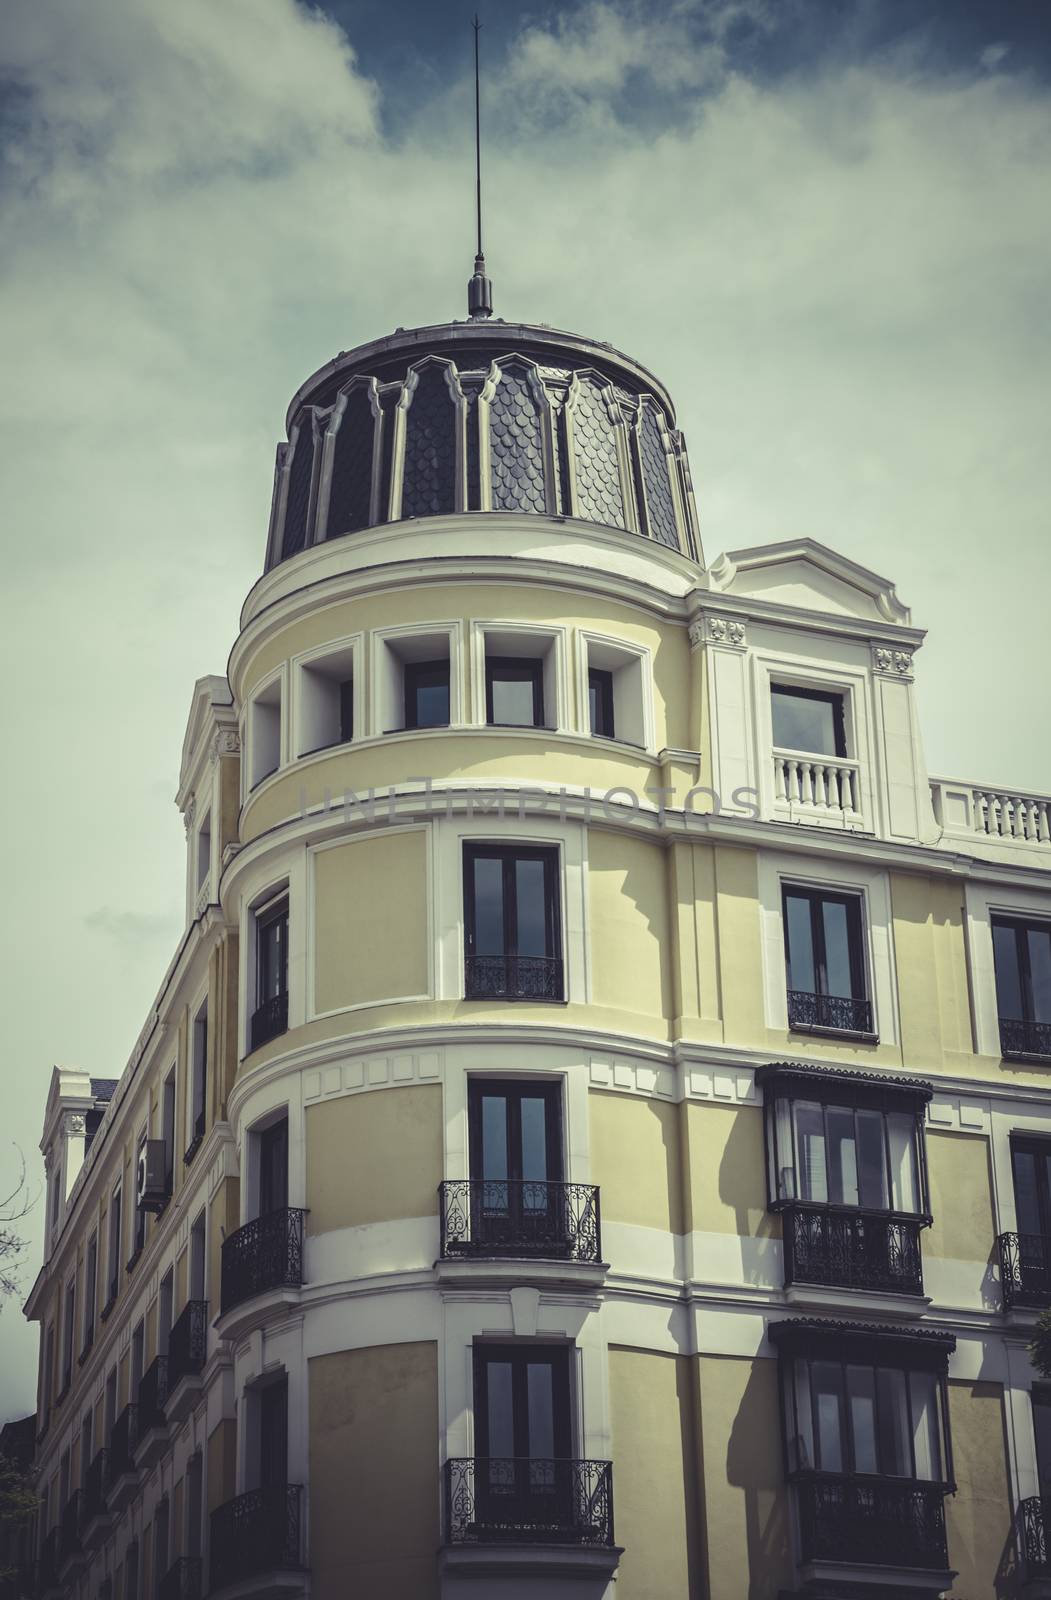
{"x":102,"y":1088}
{"x":18,"y":1440}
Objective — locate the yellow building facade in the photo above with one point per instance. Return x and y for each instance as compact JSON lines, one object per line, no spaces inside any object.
{"x":592,"y":1139}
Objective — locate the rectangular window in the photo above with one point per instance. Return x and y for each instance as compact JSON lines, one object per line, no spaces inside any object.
{"x":198,"y":1081}
{"x":600,"y":703}
{"x":517,"y":1197}
{"x":514,"y":691}
{"x":113,"y":1261}
{"x":325,"y":702}
{"x":91,"y":1268}
{"x":346,"y":710}
{"x":140,"y":1214}
{"x":854,"y":1156}
{"x":264,"y":730}
{"x":1031,"y":1169}
{"x":168,"y":1128}
{"x":426,"y":694}
{"x":1040,"y":1397}
{"x":46,"y":1387}
{"x":825,"y":962}
{"x":273,"y":1434}
{"x":512,"y":923}
{"x":618,"y":691}
{"x":204,"y":851}
{"x":68,"y":1325}
{"x":862,"y":1419}
{"x":270,"y":1017}
{"x":808,"y":720}
{"x":1022,"y":955}
{"x":272,"y":1150}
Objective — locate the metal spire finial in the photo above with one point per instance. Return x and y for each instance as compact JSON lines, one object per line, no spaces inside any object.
{"x":480,"y":288}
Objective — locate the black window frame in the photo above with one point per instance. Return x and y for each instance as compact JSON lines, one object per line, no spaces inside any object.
{"x":1029,"y":1029}
{"x":272,"y":1141}
{"x":416,"y":674}
{"x":514,"y":1091}
{"x":272,"y":1400}
{"x":515,"y":669}
{"x":600,"y":682}
{"x":269,"y":1018}
{"x":346,"y":710}
{"x":518,"y":1356}
{"x":831,"y":697}
{"x":804,"y":1016}
{"x":509,"y":855}
{"x":198,"y":1081}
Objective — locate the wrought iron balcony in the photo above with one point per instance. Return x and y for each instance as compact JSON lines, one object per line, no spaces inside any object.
{"x":182,"y":1581}
{"x":518,"y":1500}
{"x":1025,"y":1270}
{"x":188,"y":1342}
{"x":96,"y":1480}
{"x":122,"y":1441}
{"x":480,"y":1217}
{"x":852,"y":1249}
{"x":870,"y":1521}
{"x":830,"y":1013}
{"x":1023,"y":1039}
{"x":514,"y":978}
{"x":268,"y":1020}
{"x":257,"y":1532}
{"x":69,"y":1546}
{"x":153,"y":1392}
{"x":1034,"y":1526}
{"x":264,"y":1254}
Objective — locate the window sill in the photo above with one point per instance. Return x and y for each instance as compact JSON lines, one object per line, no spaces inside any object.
{"x":1025,"y":1058}
{"x":852,"y":1035}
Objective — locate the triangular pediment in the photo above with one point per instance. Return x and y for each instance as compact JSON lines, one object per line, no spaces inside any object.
{"x":208,"y":693}
{"x":808,"y":576}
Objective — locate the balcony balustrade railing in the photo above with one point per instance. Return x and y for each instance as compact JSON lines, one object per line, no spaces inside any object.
{"x":182,"y":1581}
{"x":482,"y":1217}
{"x":1023,"y":1039}
{"x":1034,"y":1529}
{"x":519,"y":1500}
{"x":1025,"y":1270}
{"x":852,"y":1249}
{"x":871,"y":1521}
{"x":257,"y":1532}
{"x":264,"y":1254}
{"x":1000,"y":814}
{"x":96,"y":1480}
{"x":188,"y":1342}
{"x":831,"y":1012}
{"x":817,"y":783}
{"x":69,"y":1545}
{"x":514,"y":978}
{"x":268,"y":1020}
{"x":153,"y":1392}
{"x":122,"y":1441}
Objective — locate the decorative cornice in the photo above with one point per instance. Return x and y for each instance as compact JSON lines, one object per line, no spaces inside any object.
{"x":891,"y":663}
{"x":227,"y":742}
{"x":709,"y":628}
{"x":772,"y":1071}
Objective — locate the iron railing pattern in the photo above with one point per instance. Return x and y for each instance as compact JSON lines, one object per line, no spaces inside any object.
{"x":264,"y":1254}
{"x":524,"y":1500}
{"x":182,"y":1581}
{"x":1034,"y":1523}
{"x":852,"y":1249}
{"x":872,"y":1521}
{"x":96,"y":1482}
{"x":153,"y":1392}
{"x":268,"y":1020}
{"x":257,"y":1532}
{"x":482,"y":1217}
{"x":1019,"y":1038}
{"x":122,"y":1442}
{"x":1025,"y":1270}
{"x":838,"y":1013}
{"x":513,"y":978}
{"x":188,"y":1342}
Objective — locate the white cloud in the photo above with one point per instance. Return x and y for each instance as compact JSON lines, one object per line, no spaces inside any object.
{"x":842,"y":281}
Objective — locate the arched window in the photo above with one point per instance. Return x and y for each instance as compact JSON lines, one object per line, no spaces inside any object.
{"x":429,"y":477}
{"x":599,"y":497}
{"x":516,"y":444}
{"x":660,"y":508}
{"x":300,"y":474}
{"x":350,"y":495}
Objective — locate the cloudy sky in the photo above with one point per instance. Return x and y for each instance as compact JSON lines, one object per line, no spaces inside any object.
{"x":826,"y":225}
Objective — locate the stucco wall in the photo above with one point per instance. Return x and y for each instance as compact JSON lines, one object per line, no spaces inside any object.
{"x":725,"y":1170}
{"x":635,"y":1159}
{"x":630,"y":952}
{"x":370,"y":920}
{"x":961,"y":1197}
{"x":978,"y":1517}
{"x":374,"y":1157}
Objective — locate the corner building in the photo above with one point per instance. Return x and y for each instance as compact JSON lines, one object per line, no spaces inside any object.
{"x":592,"y":1138}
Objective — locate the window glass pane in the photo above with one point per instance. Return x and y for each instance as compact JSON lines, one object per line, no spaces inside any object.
{"x":1027,"y":1198}
{"x":1008,"y":979}
{"x":1040,"y":972}
{"x":810,"y":1156}
{"x":511,"y":692}
{"x":895,"y":1454}
{"x":346,"y":710}
{"x":926,"y":1435}
{"x":801,"y":1444}
{"x":800,"y":945}
{"x":904,"y":1162}
{"x":430,"y":700}
{"x":784,"y":1158}
{"x":871,"y":1157}
{"x":541,"y":1409}
{"x":837,"y":949}
{"x":827,"y":1380}
{"x":534,"y":1142}
{"x":494,"y":1138}
{"x":861,"y":1397}
{"x":803,"y":723}
{"x":842,"y":1160}
{"x":532,"y":915}
{"x":1041,"y":1398}
{"x":500,"y":1411}
{"x":600,"y":702}
{"x":488,"y":906}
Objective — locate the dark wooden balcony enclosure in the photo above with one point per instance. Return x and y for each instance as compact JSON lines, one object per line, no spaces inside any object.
{"x":265,"y":1254}
{"x":484,"y":1218}
{"x":182,"y":1581}
{"x":869,"y":1521}
{"x":845,"y":1247}
{"x":514,"y":978}
{"x":1025,"y":1270}
{"x":257,"y":1532}
{"x":188,"y":1342}
{"x":521,"y":1500}
{"x":269,"y":1020}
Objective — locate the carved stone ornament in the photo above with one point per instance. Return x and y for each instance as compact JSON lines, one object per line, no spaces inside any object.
{"x":893,"y":662}
{"x":227,"y":742}
{"x":190,"y":813}
{"x":76,"y":1125}
{"x":718,"y":630}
